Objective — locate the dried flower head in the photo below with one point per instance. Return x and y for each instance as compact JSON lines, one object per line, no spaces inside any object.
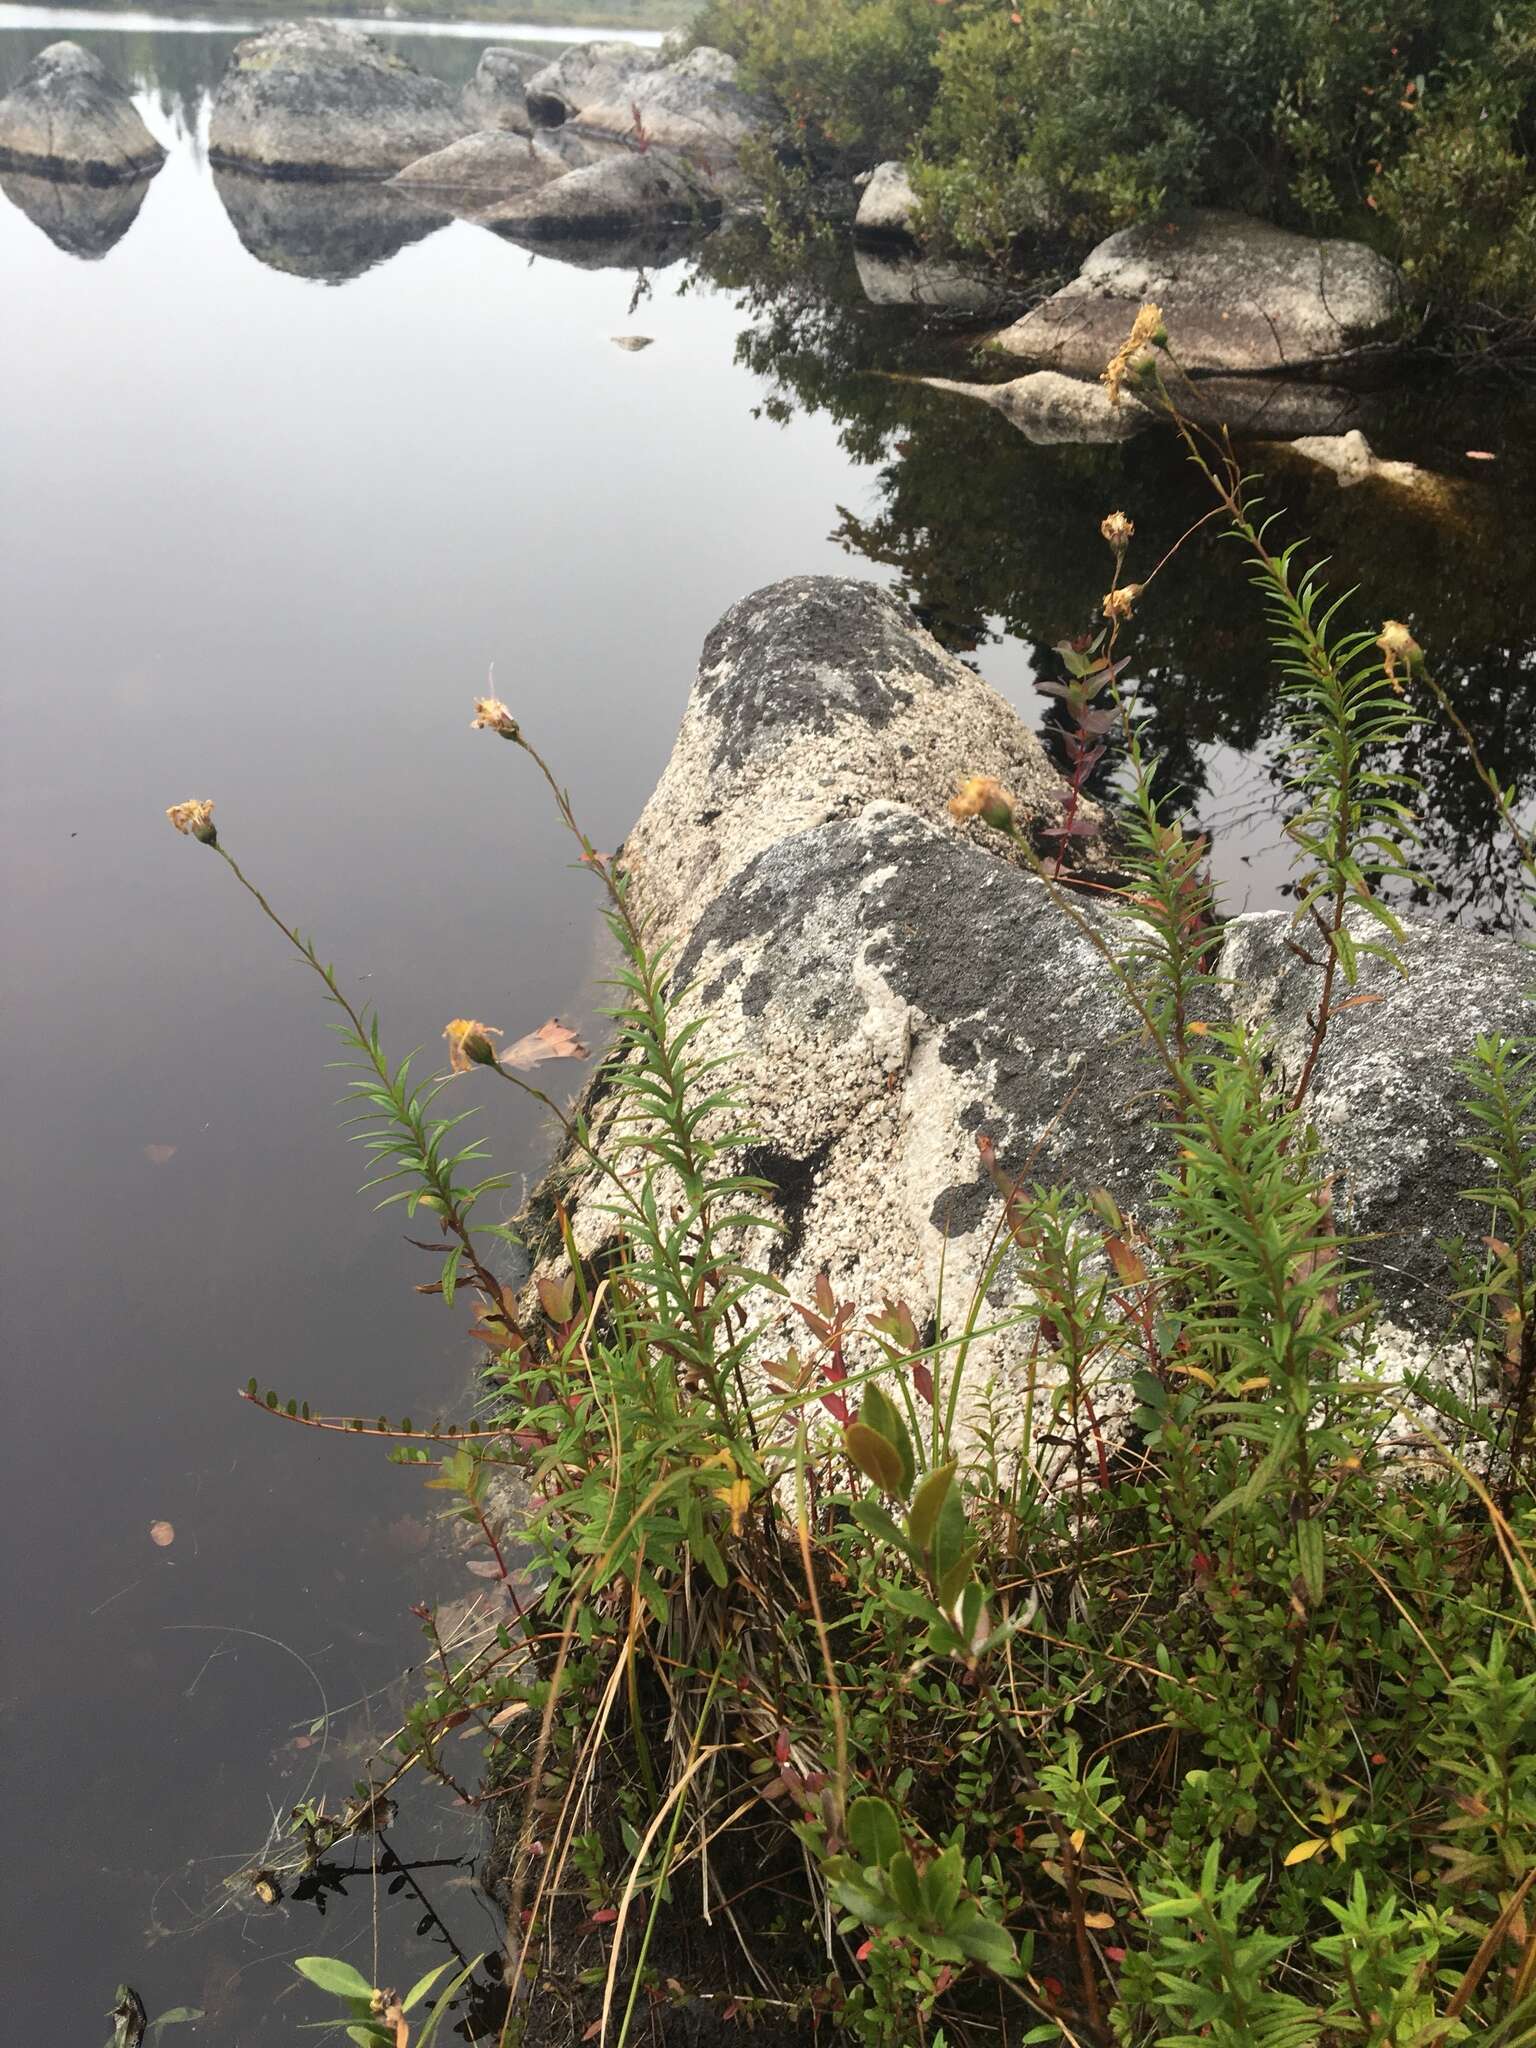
{"x":491,"y":715}
{"x":1120,"y":602}
{"x":1399,"y":651}
{"x":984,"y":797}
{"x":1117,"y":530}
{"x":195,"y":818}
{"x":1147,"y":331}
{"x":469,"y":1044}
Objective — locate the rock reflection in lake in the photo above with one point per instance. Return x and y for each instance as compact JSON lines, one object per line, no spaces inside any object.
{"x":82,"y":220}
{"x":893,"y":276}
{"x":330,"y":232}
{"x":655,"y":248}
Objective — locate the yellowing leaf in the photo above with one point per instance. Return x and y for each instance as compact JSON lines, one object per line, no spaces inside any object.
{"x":1077,"y":1838}
{"x":1192,"y":1372}
{"x":1100,"y":1921}
{"x":1304,"y":1851}
{"x":552,"y":1041}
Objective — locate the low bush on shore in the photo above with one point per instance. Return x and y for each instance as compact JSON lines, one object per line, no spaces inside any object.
{"x":1195,"y":1705}
{"x":1412,"y":125}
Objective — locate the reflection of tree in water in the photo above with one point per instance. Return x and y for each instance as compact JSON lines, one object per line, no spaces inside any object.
{"x":982,"y":526}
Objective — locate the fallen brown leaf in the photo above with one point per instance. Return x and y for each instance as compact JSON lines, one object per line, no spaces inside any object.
{"x":552,"y":1041}
{"x":162,"y":1533}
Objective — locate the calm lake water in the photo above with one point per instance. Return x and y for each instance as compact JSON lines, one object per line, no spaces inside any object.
{"x":279,"y":478}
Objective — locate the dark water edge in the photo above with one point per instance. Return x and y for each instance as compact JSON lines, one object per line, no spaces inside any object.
{"x":284,"y":470}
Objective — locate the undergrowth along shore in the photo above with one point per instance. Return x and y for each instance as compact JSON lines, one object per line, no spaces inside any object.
{"x":1219,"y":1729}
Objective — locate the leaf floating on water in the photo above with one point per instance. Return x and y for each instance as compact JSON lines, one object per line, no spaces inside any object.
{"x":1481,"y":455}
{"x":162,"y":1533}
{"x":633,"y":342}
{"x":157,"y":1155}
{"x":552,"y":1041}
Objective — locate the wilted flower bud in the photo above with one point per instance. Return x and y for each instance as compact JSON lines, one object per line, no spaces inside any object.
{"x":1120,"y":602}
{"x":1117,"y":530}
{"x":984,"y":797}
{"x":1399,"y":650}
{"x":493,"y":716}
{"x":1147,"y":331}
{"x":469,"y":1044}
{"x":195,"y":818}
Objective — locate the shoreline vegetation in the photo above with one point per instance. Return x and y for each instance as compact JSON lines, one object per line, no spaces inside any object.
{"x":1133,"y":1643}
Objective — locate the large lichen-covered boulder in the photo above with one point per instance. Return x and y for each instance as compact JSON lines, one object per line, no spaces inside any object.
{"x":891,"y":986}
{"x":1236,"y":295}
{"x":628,"y":193}
{"x":887,"y":210}
{"x":586,"y":75}
{"x":68,"y":117}
{"x":314,"y":99}
{"x":496,"y":96}
{"x":695,"y":105}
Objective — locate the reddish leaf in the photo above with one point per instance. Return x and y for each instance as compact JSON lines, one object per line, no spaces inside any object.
{"x":552,"y":1041}
{"x":157,"y":1155}
{"x":162,"y":1534}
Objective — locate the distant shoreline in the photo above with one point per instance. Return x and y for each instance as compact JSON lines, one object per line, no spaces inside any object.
{"x":639,"y":15}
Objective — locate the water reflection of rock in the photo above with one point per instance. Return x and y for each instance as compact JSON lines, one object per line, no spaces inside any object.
{"x":652,"y":249}
{"x":82,"y":220}
{"x":327,"y":231}
{"x":893,"y":276}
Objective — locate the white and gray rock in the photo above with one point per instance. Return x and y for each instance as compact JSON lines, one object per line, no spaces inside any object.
{"x":1051,"y":409}
{"x":1353,"y":461}
{"x":888,"y":988}
{"x":694,"y":105}
{"x":887,"y":206}
{"x":314,"y":99}
{"x":586,"y":75}
{"x":1236,"y":295}
{"x":630,"y":192}
{"x":493,"y":164}
{"x":496,"y":96}
{"x":68,"y":117}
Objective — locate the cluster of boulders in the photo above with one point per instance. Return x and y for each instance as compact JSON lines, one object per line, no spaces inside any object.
{"x":607,"y":143}
{"x":891,"y":987}
{"x":1275,"y":333}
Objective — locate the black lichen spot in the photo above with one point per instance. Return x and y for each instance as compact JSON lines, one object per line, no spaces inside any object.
{"x":962,"y":1208}
{"x":793,"y":1182}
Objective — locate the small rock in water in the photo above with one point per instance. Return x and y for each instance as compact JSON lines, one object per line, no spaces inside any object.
{"x":633,"y":342}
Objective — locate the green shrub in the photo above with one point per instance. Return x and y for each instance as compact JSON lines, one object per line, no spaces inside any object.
{"x":1074,"y":117}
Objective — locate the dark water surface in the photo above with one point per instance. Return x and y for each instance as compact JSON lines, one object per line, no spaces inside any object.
{"x":280,"y":474}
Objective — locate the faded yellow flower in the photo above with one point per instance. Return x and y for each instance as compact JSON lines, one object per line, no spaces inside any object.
{"x":195,"y":818}
{"x":1117,"y":530}
{"x":469,"y":1044}
{"x":1120,"y":602}
{"x":984,"y":797}
{"x":491,"y":715}
{"x":1399,"y":651}
{"x":1147,"y":331}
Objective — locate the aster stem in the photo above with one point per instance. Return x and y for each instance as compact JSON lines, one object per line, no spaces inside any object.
{"x":447,"y":1208}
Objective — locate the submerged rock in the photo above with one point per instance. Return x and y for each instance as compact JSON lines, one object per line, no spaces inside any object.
{"x":887,"y":206}
{"x":629,"y":193}
{"x":67,"y":116}
{"x":588,"y":74}
{"x":1049,"y":408}
{"x":889,"y":988}
{"x":496,"y":96}
{"x":694,"y":105}
{"x":313,"y":99}
{"x":321,"y":229}
{"x":82,"y":219}
{"x":1353,"y":461}
{"x":1236,"y":295}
